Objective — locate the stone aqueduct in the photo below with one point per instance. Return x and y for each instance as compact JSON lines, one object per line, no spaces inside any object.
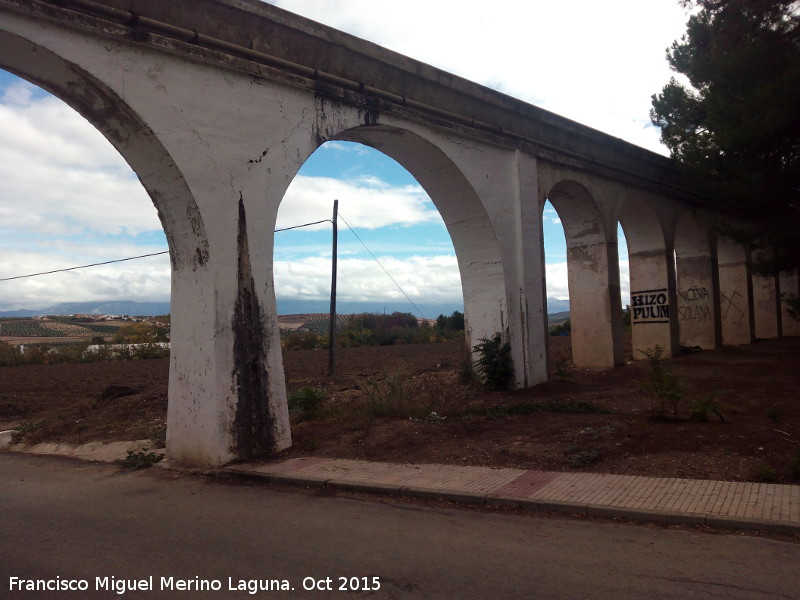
{"x":216,"y":104}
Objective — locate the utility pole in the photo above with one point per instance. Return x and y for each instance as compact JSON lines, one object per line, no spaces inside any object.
{"x":332,"y":329}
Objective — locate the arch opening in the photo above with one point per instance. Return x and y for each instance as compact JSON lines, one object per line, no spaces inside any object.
{"x":592,"y":278}
{"x":397,"y":228}
{"x":652,"y":295}
{"x":457,"y":246}
{"x":176,"y":209}
{"x":77,"y":202}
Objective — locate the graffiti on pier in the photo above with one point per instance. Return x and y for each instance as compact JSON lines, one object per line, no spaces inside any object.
{"x":695,"y":306}
{"x":694,"y":294}
{"x":650,"y":306}
{"x":694,"y":312}
{"x":729,"y":301}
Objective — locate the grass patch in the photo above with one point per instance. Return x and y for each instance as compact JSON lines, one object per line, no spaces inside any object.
{"x":582,"y":457}
{"x":403,"y":395}
{"x":143,"y":459}
{"x":765,"y":474}
{"x":392,"y":396}
{"x":305,"y":402}
{"x":19,"y":432}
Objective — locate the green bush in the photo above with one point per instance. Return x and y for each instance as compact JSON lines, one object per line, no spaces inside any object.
{"x":77,"y":353}
{"x":564,"y":328}
{"x":142,"y":459}
{"x":306,"y":401}
{"x":455,"y":322}
{"x":302,"y":340}
{"x":794,"y":465}
{"x":703,"y":408}
{"x":141,"y":333}
{"x":9,"y":355}
{"x":494,"y":367}
{"x":662,"y":387}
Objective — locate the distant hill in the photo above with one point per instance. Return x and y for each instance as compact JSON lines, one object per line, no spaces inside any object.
{"x":286,"y":306}
{"x":111,"y":307}
{"x":556,"y":305}
{"x":554,"y":318}
{"x":289,"y":306}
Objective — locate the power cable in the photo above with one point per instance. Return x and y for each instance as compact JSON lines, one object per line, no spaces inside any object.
{"x":108,"y":262}
{"x":382,"y":267}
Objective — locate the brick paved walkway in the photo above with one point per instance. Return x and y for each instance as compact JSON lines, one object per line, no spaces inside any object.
{"x":718,"y":503}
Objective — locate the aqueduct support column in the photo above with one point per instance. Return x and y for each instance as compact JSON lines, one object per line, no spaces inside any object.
{"x":790,"y":289}
{"x":765,"y":306}
{"x":734,"y":292}
{"x":527,"y":304}
{"x":595,"y":304}
{"x":693,"y":264}
{"x":652,"y":286}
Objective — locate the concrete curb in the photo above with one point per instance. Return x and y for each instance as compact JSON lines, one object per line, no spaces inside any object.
{"x":552,"y":506}
{"x":91,"y":451}
{"x":6,"y":437}
{"x":98,"y":452}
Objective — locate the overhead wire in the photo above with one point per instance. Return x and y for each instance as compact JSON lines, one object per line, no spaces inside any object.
{"x":118,"y":260}
{"x":109,"y":262}
{"x":382,"y":267}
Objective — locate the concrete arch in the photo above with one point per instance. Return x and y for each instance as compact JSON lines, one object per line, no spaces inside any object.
{"x":471,"y":231}
{"x":653,"y":295}
{"x":166,"y":186}
{"x":123,"y":128}
{"x":593,"y":273}
{"x":695,"y":283}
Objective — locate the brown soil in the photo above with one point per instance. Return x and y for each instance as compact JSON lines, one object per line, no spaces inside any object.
{"x":756,"y":389}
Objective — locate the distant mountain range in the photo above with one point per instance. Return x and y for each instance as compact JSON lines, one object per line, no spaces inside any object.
{"x":111,"y":307}
{"x":286,"y":306}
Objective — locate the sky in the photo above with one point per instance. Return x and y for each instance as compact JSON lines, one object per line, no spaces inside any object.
{"x":78,"y":202}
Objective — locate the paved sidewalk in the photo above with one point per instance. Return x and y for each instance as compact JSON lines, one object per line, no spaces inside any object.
{"x":761,"y":506}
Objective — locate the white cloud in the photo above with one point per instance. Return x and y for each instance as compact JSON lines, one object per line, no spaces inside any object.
{"x":61,"y":181}
{"x":422,"y":278}
{"x":594,"y":62}
{"x":558,"y":286}
{"x":141,"y":280}
{"x":348,"y":147}
{"x":59,"y":175}
{"x":366,"y":202}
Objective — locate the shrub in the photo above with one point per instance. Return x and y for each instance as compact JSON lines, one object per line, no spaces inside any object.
{"x":794,"y":465}
{"x":662,"y":387}
{"x":580,"y":457}
{"x":765,"y":473}
{"x":494,"y":367}
{"x":564,"y":328}
{"x":455,"y":322}
{"x":141,"y":333}
{"x":306,"y":401}
{"x":701,"y":410}
{"x":9,"y":355}
{"x":392,"y":396}
{"x":301,"y":340}
{"x":142,"y":459}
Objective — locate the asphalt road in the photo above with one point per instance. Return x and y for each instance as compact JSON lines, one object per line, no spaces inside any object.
{"x":70,"y":523}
